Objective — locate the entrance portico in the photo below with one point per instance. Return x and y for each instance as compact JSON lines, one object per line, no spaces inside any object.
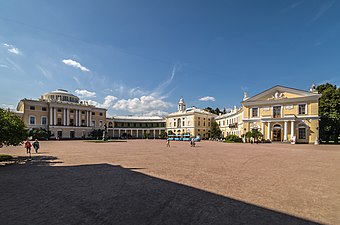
{"x":277,"y":130}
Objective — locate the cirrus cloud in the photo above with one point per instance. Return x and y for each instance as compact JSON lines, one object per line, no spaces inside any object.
{"x":75,"y":64}
{"x":207,"y":98}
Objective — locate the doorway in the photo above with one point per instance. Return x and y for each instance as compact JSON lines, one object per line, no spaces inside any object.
{"x":277,"y":132}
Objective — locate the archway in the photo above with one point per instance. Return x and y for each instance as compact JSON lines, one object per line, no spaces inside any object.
{"x":277,"y":132}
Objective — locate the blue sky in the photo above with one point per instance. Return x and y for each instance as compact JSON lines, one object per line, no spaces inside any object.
{"x":140,"y":57}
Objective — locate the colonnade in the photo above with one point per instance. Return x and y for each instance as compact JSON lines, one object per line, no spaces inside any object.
{"x":66,"y":117}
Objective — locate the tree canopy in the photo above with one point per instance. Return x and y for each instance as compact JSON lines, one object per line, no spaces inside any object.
{"x":215,"y":131}
{"x":216,"y":111}
{"x":12,"y":129}
{"x":329,"y":112}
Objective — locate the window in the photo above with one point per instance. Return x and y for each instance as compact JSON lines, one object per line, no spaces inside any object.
{"x":223,"y":122}
{"x":199,"y":123}
{"x":32,"y":120}
{"x":43,"y":109}
{"x":100,"y":123}
{"x":302,"y":109}
{"x":59,"y":110}
{"x":71,"y":122}
{"x":188,"y":123}
{"x":82,"y":112}
{"x":32,"y":107}
{"x":59,"y":121}
{"x":183,"y":123}
{"x":254,"y":112}
{"x":93,"y":113}
{"x":83,"y":122}
{"x":100,"y":114}
{"x":302,"y":133}
{"x":71,"y":111}
{"x":93,"y":123}
{"x":276,"y":111}
{"x":44,"y":120}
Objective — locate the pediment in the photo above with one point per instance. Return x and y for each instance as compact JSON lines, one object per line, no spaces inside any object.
{"x":278,"y":93}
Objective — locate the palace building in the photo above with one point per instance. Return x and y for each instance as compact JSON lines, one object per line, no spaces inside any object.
{"x":191,"y":121}
{"x":279,"y":113}
{"x":135,"y":126}
{"x":283,"y":113}
{"x":231,"y":123}
{"x":63,"y":114}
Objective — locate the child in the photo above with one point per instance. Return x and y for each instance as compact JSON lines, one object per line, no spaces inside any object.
{"x":36,"y":145}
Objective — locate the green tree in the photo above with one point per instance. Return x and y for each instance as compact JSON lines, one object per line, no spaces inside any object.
{"x":96,"y":134}
{"x":39,"y":133}
{"x":12,"y":129}
{"x":329,"y":112}
{"x":163,"y":135}
{"x":254,"y":133}
{"x":215,"y":131}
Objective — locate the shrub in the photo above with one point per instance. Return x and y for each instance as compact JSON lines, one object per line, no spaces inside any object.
{"x":233,"y":138}
{"x":5,"y":157}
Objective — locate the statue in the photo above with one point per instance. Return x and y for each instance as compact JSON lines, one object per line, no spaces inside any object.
{"x":104,"y":132}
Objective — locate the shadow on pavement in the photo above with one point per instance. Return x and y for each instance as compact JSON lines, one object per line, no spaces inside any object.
{"x":107,"y":194}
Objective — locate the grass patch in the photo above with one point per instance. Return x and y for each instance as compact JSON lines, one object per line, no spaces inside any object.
{"x":5,"y":157}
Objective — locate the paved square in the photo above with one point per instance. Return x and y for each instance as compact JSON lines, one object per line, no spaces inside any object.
{"x":144,"y":182}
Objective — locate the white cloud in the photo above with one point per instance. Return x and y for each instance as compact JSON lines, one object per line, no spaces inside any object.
{"x":108,"y":102}
{"x":12,"y":49}
{"x":207,"y":98}
{"x":6,"y":106}
{"x":75,"y":64}
{"x":3,"y":66}
{"x":85,"y":93}
{"x":145,"y":104}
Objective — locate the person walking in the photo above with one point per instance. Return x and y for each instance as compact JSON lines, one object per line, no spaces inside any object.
{"x":36,"y":145}
{"x":192,"y":142}
{"x":28,"y":146}
{"x":167,"y":143}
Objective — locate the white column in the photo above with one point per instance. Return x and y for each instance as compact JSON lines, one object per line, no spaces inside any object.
{"x":68,"y":117}
{"x":79,"y":118}
{"x":268,"y":131}
{"x":64,"y":117}
{"x":87,"y":118}
{"x":292,"y":129}
{"x":77,"y":112}
{"x":51,"y":116}
{"x":55,"y":116}
{"x":119,"y":133}
{"x":285,"y":131}
{"x":91,"y":118}
{"x":262,"y":129}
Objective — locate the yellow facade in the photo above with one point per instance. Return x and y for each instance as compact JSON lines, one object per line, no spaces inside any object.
{"x":283,"y":114}
{"x":62,"y":114}
{"x":192,"y":121}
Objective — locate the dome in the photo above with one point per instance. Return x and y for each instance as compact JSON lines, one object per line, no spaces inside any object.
{"x":60,"y":95}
